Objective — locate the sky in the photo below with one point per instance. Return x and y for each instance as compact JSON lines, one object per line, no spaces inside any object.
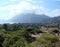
{"x":10,"y":8}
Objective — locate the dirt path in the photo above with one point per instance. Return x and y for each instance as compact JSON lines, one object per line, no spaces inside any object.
{"x":37,"y":35}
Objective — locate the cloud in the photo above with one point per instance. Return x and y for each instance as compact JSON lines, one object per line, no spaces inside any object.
{"x":12,"y":0}
{"x":55,"y":13}
{"x":14,"y":9}
{"x":23,"y":6}
{"x":26,"y":6}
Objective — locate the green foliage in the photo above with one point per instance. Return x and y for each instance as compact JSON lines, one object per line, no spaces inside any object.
{"x":46,"y":40}
{"x":5,"y":26}
{"x":19,"y":35}
{"x":20,"y":43}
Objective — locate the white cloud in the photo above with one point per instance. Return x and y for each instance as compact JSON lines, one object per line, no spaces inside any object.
{"x":25,"y":6}
{"x":14,"y":9}
{"x":55,"y":13}
{"x":19,"y":8}
{"x":13,"y":0}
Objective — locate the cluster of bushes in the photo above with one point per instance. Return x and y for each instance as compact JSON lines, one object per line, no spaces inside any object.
{"x":19,"y":35}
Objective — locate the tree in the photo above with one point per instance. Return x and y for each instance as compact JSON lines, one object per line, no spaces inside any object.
{"x":5,"y":26}
{"x":37,"y":30}
{"x":56,"y":31}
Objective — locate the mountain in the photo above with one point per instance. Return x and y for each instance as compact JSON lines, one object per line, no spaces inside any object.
{"x":29,"y":18}
{"x":56,"y":19}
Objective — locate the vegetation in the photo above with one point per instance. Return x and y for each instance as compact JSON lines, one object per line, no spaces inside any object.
{"x":20,"y":35}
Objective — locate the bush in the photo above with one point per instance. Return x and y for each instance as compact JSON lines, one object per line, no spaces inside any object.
{"x":46,"y":40}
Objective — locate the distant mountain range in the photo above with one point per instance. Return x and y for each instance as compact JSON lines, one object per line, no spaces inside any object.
{"x":33,"y":18}
{"x":29,"y":18}
{"x":55,"y":19}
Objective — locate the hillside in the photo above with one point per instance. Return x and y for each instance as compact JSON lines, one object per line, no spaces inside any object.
{"x":29,"y":18}
{"x":32,"y":18}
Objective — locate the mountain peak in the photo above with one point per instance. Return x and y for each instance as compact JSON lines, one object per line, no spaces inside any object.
{"x":29,"y":18}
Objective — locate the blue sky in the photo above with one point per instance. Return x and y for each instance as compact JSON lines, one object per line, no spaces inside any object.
{"x":10,"y":8}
